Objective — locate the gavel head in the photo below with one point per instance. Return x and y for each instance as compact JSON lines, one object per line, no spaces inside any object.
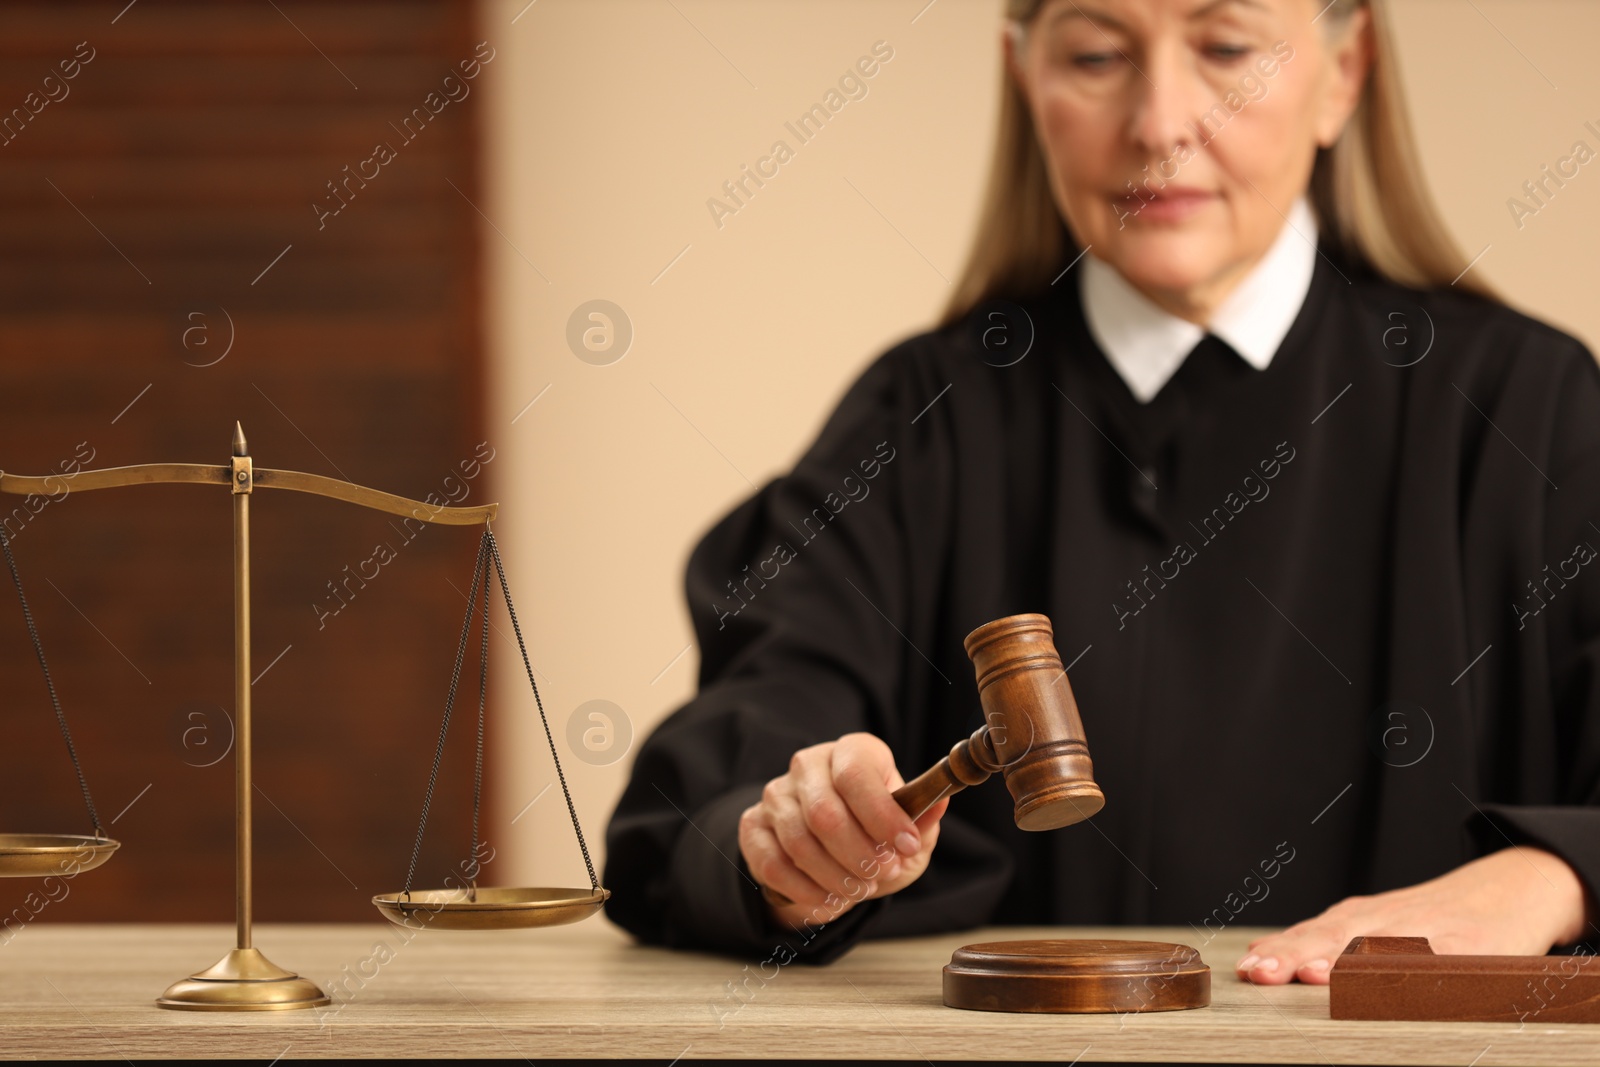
{"x":1032,"y":722}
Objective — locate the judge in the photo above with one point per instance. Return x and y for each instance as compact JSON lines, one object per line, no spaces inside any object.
{"x":1314,"y":515}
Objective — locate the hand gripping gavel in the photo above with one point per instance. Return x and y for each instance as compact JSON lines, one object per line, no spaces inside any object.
{"x":1031,"y":734}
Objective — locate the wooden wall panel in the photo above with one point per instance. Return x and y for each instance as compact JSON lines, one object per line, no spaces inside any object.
{"x":162,"y":202}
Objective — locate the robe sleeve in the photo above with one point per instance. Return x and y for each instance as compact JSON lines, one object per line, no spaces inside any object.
{"x":798,"y":599}
{"x":1569,"y":827}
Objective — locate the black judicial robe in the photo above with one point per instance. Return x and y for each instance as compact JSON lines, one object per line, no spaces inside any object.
{"x":1333,"y":627}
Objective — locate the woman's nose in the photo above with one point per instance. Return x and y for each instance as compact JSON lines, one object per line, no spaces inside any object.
{"x":1164,"y":101}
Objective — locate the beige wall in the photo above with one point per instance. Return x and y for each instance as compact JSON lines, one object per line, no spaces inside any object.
{"x":609,"y":124}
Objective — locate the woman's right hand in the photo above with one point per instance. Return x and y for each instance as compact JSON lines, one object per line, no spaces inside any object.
{"x":829,"y":835}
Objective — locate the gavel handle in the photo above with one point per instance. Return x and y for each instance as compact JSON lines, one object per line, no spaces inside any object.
{"x":970,"y":762}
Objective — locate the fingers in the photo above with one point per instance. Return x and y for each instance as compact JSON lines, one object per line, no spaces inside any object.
{"x":790,"y":813}
{"x":830,"y":833}
{"x":770,"y":864}
{"x":928,"y":822}
{"x":828,"y":817}
{"x":861,"y":769}
{"x":1284,"y":967}
{"x":796,"y":867}
{"x":1307,"y":950}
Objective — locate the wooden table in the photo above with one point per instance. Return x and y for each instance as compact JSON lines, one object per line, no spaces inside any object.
{"x":75,"y":992}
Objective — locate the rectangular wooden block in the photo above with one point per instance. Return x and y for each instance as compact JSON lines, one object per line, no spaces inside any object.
{"x":1401,"y":978}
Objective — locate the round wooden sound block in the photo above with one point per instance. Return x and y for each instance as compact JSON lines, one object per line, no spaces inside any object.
{"x":1076,"y":976}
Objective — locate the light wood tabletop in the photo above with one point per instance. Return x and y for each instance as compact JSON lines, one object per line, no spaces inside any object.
{"x":586,"y":991}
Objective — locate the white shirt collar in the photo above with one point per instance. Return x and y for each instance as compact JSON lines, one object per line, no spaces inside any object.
{"x":1147,"y":345}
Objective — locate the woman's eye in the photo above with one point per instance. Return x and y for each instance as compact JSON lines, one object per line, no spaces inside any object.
{"x":1227,"y":53}
{"x":1093,"y":61}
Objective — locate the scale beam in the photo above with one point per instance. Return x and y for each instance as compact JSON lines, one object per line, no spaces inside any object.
{"x":265,"y":478}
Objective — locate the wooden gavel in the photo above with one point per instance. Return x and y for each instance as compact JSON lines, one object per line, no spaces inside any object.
{"x":1031,"y":734}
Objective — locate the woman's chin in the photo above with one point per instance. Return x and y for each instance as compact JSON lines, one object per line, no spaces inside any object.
{"x":1170,"y":263}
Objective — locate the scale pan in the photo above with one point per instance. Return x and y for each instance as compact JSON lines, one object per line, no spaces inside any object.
{"x":495,"y":908}
{"x":42,"y":855}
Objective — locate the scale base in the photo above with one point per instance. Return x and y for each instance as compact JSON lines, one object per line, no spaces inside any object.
{"x":243,"y":980}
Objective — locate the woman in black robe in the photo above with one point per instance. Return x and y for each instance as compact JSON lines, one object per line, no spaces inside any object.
{"x":1313,"y":514}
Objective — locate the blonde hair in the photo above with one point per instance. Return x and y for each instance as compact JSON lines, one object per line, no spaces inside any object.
{"x":1367,"y":192}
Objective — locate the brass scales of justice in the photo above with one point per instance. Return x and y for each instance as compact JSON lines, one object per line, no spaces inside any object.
{"x":244,"y":979}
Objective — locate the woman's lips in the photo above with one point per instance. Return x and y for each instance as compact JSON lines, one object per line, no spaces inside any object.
{"x":1166,"y":206}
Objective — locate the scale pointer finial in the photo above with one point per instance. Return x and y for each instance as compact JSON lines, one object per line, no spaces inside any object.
{"x":240,"y":448}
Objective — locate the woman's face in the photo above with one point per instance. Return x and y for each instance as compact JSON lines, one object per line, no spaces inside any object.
{"x":1177,"y":133}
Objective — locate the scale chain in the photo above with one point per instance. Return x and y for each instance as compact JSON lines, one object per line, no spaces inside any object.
{"x":489,"y":549}
{"x":477,"y":770}
{"x":494,"y":549}
{"x":480,"y":569}
{"x":55,"y":701}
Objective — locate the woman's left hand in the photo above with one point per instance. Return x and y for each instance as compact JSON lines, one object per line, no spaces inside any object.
{"x":1518,"y":901}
